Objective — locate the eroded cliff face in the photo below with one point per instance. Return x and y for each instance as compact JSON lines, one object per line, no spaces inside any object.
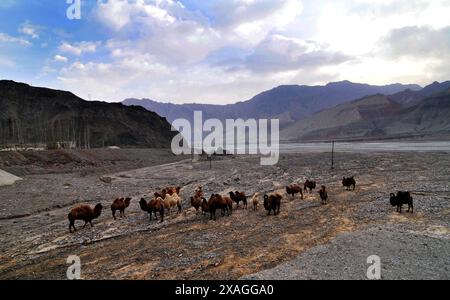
{"x":31,"y":115}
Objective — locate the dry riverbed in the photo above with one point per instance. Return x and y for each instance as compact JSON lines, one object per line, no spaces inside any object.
{"x":307,"y":240}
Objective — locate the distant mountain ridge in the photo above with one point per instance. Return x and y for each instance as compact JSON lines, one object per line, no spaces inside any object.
{"x":289,"y":103}
{"x":31,"y":115}
{"x":379,"y":116}
{"x":411,"y":98}
{"x":340,"y":110}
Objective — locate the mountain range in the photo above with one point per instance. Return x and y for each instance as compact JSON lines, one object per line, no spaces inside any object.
{"x":289,"y":103}
{"x":377,"y":117}
{"x":340,"y":110}
{"x":336,"y":111}
{"x":33,"y":115}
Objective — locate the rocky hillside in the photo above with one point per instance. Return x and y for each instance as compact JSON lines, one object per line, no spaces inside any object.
{"x":376,"y":117}
{"x":347,"y":118}
{"x":31,"y":115}
{"x":432,"y":115}
{"x":410,"y":98}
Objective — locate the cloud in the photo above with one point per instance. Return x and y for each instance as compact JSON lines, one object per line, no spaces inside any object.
{"x":253,"y":20}
{"x":162,"y":49}
{"x":5,"y":38}
{"x":278,"y":53}
{"x":79,"y":48}
{"x":28,"y":29}
{"x":235,"y":13}
{"x":60,"y":58}
{"x":355,"y":27}
{"x":4,"y":62}
{"x":165,"y":29}
{"x":7,"y":3}
{"x":224,"y":51}
{"x":383,"y":8}
{"x":418,"y":42}
{"x":426,"y":48}
{"x":174,"y":33}
{"x":46,"y":71}
{"x":120,"y":13}
{"x":144,"y":77}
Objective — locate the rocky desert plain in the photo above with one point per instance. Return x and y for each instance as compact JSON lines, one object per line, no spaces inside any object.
{"x":306,"y":240}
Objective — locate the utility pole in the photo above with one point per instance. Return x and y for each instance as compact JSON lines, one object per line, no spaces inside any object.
{"x":332,"y":156}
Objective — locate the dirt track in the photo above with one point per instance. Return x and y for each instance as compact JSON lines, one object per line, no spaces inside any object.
{"x":35,"y":241}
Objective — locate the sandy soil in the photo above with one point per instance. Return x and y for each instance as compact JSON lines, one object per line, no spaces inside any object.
{"x":35,"y":241}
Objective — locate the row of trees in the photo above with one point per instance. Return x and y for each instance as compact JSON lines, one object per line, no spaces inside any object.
{"x":53,"y":134}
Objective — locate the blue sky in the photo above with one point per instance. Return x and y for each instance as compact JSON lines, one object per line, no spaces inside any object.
{"x":221,"y":51}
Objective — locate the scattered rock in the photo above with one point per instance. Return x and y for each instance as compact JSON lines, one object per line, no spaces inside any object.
{"x":106,"y":179}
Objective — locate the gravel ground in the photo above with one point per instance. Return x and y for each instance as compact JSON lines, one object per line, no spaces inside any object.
{"x":59,"y":179}
{"x":404,"y":254}
{"x":334,"y":239}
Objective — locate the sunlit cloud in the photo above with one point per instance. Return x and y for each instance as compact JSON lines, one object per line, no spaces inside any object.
{"x":28,"y":29}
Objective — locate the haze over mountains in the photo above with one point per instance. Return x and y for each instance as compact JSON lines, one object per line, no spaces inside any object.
{"x":340,"y":110}
{"x":32,"y":115}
